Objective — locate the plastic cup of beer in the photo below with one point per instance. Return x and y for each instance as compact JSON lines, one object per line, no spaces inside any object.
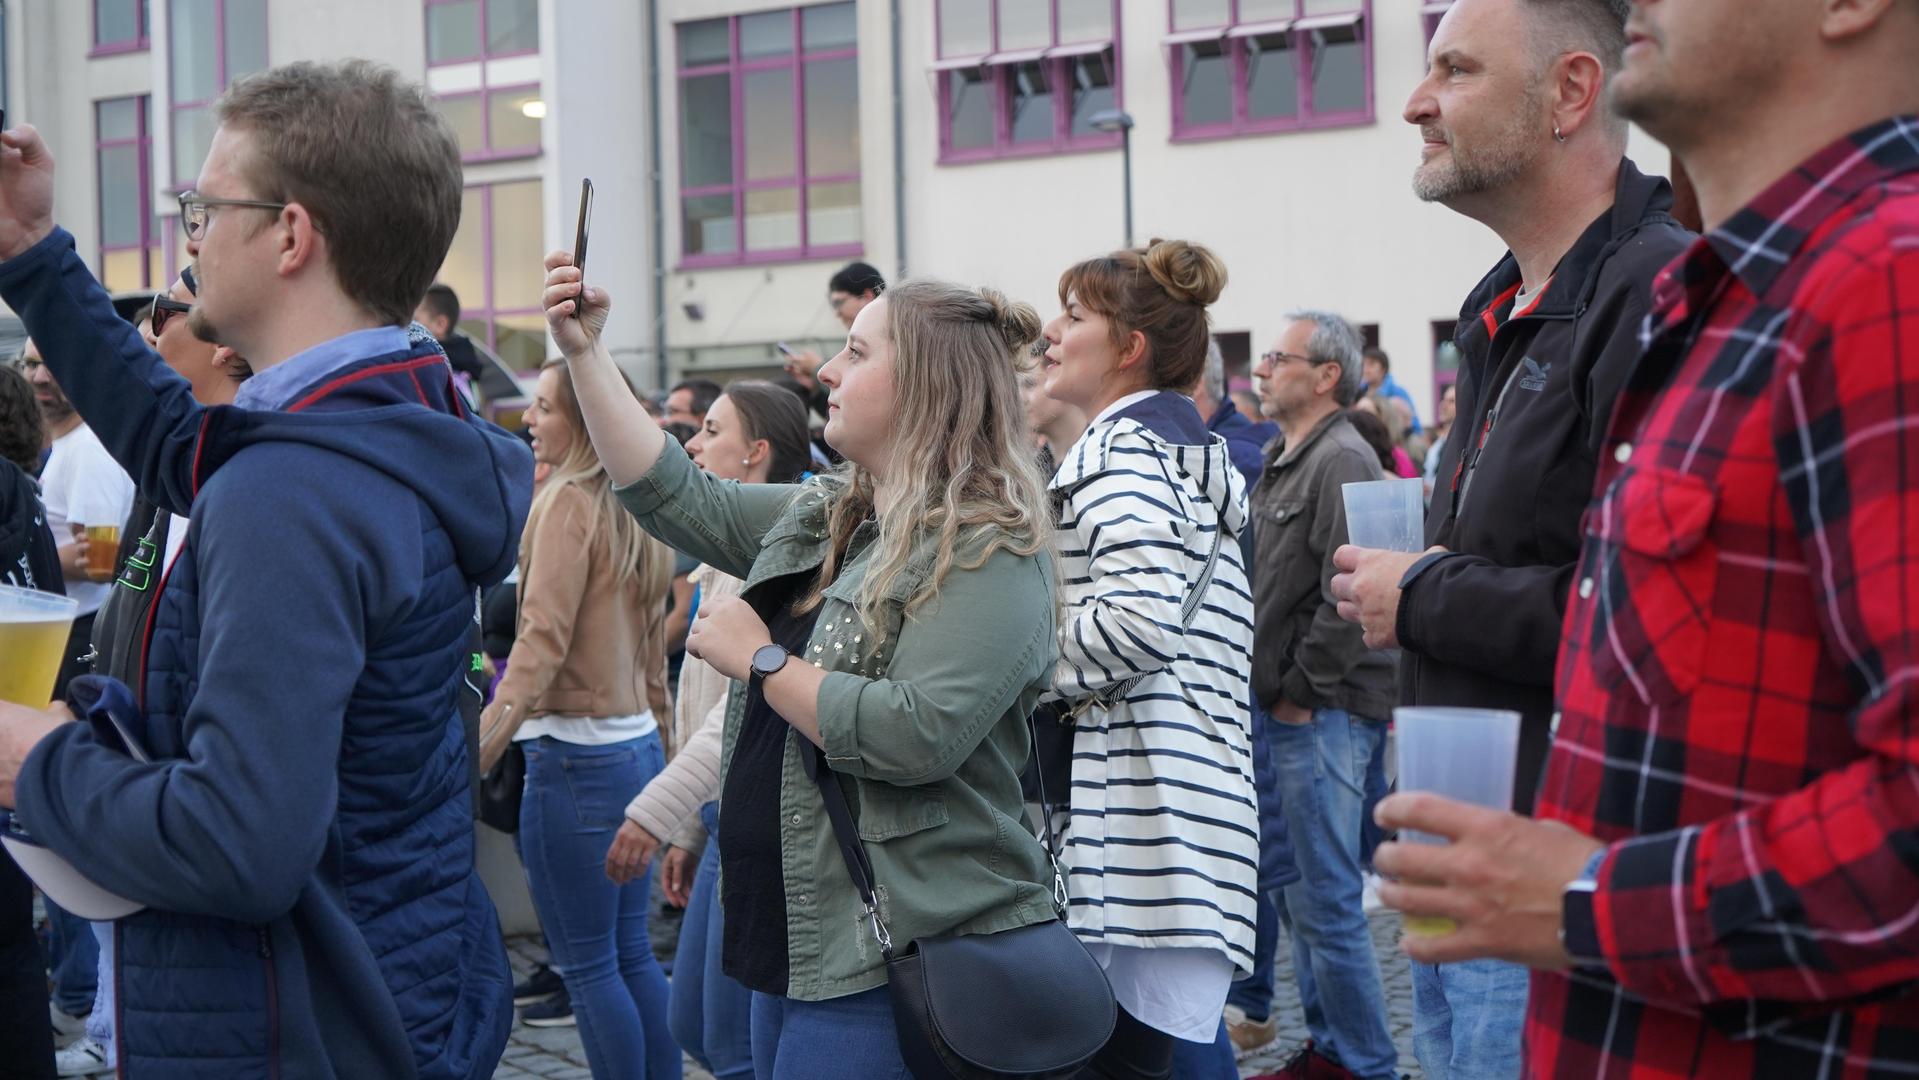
{"x":103,"y":546}
{"x":1386,"y":514}
{"x":33,"y":641}
{"x":1468,"y":755}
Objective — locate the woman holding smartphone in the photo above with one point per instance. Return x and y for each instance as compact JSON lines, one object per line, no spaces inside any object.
{"x":582,"y":695}
{"x":878,"y":601}
{"x":755,"y":433}
{"x":1163,"y":840}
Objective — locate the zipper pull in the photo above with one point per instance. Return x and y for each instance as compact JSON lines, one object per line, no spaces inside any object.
{"x":266,"y":943}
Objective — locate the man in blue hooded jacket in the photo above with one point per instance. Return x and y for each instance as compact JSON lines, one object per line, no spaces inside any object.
{"x":302,"y":838}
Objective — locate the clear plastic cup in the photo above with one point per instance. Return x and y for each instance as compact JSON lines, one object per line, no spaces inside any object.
{"x":1386,"y":514}
{"x":34,"y":627}
{"x":1469,"y":755}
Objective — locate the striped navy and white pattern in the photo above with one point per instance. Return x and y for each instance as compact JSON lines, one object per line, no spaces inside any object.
{"x":1161,"y":846}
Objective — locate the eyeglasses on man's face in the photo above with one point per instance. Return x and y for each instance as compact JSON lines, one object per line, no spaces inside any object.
{"x":163,"y":310}
{"x":195,"y":208}
{"x":1276,"y":357}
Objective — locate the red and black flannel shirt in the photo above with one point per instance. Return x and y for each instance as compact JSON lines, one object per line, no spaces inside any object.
{"x":1739,"y":672}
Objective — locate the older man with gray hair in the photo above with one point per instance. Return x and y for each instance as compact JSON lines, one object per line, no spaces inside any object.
{"x":1324,"y":694}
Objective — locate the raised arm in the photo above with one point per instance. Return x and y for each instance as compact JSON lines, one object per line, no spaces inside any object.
{"x":627,"y":439}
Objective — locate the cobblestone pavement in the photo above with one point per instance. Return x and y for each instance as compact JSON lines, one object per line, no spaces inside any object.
{"x":555,"y":1053}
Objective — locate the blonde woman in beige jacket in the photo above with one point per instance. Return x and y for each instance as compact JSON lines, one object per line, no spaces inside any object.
{"x":754,"y":434}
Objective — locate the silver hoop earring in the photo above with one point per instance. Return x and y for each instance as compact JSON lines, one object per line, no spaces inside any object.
{"x":1557,"y":134}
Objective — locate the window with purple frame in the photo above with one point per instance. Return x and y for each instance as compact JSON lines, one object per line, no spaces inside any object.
{"x":119,"y":26}
{"x":495,"y":266}
{"x":460,"y":31}
{"x":1430,"y":13}
{"x":1025,"y":76}
{"x":496,"y":122}
{"x":211,"y":43}
{"x":1249,"y":66}
{"x":770,"y":136}
{"x":131,"y":254}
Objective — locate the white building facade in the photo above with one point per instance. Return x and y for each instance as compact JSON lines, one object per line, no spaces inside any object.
{"x":952,"y":138}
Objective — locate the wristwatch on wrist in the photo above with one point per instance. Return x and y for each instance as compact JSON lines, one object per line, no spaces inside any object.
{"x":1578,"y":932}
{"x":768,"y":659}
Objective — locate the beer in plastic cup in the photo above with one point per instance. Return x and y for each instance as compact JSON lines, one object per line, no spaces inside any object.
{"x":33,"y":641}
{"x":1386,"y":514}
{"x":103,"y":545}
{"x":1468,"y":755}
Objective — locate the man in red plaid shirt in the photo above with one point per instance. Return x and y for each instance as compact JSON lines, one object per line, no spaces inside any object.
{"x":1729,"y":882}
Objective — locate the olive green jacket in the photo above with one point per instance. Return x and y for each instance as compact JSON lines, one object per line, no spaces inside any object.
{"x":926,"y":713}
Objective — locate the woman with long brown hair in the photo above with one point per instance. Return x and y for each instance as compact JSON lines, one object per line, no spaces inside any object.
{"x":585,"y":694}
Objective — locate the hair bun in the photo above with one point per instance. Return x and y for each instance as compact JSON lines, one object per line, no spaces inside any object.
{"x":1018,"y":323}
{"x":1187,"y":271}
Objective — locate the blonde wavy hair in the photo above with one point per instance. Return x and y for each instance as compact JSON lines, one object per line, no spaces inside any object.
{"x":962,"y":457}
{"x":636,"y":555}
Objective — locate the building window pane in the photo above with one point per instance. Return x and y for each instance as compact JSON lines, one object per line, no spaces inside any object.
{"x":468,"y":120}
{"x":195,"y":53}
{"x":452,"y":31}
{"x":119,"y":119}
{"x":1272,"y":77}
{"x":829,"y":26}
{"x":1208,"y":88}
{"x":121,"y":208}
{"x":192,"y":135}
{"x":1025,"y":24}
{"x":832,"y":117}
{"x":116,"y":22}
{"x":1339,"y":70}
{"x":246,"y":26}
{"x":519,"y":236}
{"x":512,"y":26}
{"x":708,"y":41}
{"x":520,"y":340}
{"x":773,"y":219}
{"x":706,"y":130}
{"x":1085,"y":20}
{"x":966,"y":27}
{"x":768,"y":116}
{"x":120,"y":271}
{"x":465,"y":268}
{"x":1328,"y":7}
{"x":707,"y":225}
{"x":508,"y":125}
{"x":766,"y":35}
{"x":1030,"y":103}
{"x":970,"y":111}
{"x":1195,"y":14}
{"x":833,"y":214}
{"x":1092,"y":88}
{"x":1259,"y":11}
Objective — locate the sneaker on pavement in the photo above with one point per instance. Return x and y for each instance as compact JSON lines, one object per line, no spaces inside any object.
{"x":84,"y":1058}
{"x":556,"y":1011}
{"x":1249,"y":1036}
{"x":1309,"y":1064}
{"x":66,"y":1026}
{"x":542,"y":984}
{"x":1369,"y":896}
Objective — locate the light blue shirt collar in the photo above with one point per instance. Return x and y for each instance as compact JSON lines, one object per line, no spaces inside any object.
{"x":273,"y":389}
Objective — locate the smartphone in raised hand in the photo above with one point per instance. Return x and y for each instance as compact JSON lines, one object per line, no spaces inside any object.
{"x":579,"y":239}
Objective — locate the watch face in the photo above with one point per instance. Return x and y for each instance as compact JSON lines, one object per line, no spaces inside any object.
{"x":769,"y":658}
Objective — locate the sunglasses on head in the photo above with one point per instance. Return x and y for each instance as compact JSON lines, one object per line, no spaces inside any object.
{"x":163,"y":310}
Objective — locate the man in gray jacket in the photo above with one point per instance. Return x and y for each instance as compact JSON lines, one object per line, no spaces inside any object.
{"x":1325,"y":692}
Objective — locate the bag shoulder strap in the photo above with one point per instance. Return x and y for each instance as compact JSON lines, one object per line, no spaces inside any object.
{"x":1187,"y":612}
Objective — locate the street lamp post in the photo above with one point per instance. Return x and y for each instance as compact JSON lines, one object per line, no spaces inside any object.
{"x":1122,"y":122}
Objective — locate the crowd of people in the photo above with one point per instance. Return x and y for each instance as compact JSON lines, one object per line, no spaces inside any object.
{"x":990,"y":622}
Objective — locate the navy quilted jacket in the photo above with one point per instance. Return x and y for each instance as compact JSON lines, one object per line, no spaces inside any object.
{"x":303,"y":838}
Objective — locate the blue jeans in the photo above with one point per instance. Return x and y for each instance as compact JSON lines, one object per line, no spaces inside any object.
{"x":576,"y":797}
{"x":1467,"y":1019}
{"x":711,"y":1014}
{"x":1206,"y":1061}
{"x":826,"y":1040}
{"x":1322,"y":771}
{"x":73,"y":954}
{"x":1254,"y":993}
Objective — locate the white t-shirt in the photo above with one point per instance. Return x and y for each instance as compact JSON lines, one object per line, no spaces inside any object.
{"x":83,"y":485}
{"x":1179,"y":991}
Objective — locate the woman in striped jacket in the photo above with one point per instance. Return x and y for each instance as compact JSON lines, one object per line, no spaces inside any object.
{"x":1162,"y":844}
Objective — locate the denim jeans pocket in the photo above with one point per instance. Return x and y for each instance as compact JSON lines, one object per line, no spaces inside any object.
{"x":601,"y":783}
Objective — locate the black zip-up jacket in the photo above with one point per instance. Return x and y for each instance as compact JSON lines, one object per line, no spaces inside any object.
{"x":1480,"y":626}
{"x":28,"y":557}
